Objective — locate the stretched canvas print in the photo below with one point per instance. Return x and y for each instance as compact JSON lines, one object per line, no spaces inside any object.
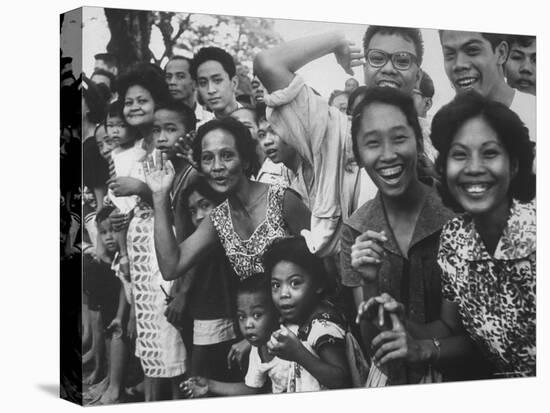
{"x":254,"y":206}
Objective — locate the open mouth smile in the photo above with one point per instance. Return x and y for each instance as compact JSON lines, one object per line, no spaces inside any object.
{"x":466,"y":82}
{"x":388,"y":83}
{"x":391,"y":174}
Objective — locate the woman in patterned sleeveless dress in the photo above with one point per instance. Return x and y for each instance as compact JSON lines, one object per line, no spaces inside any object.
{"x":253,"y":215}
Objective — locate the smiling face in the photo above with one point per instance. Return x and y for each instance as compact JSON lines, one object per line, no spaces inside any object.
{"x":168,"y":127}
{"x":216,"y":88}
{"x":387,"y":148}
{"x":521,"y":67}
{"x":294,"y":290}
{"x":479,"y":169}
{"x":471,"y":63}
{"x":272,"y":145}
{"x":388,"y":75}
{"x":257,"y":316}
{"x":179,"y":81}
{"x":107,"y":235}
{"x":105,"y":144}
{"x":139,"y":106}
{"x":221,"y":162}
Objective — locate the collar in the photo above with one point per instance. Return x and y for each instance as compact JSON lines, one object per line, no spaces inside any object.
{"x":372,"y":216}
{"x":518,"y":240}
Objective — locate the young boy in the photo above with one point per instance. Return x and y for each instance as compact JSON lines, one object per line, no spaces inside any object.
{"x":257,"y":320}
{"x":108,"y":299}
{"x":521,"y":65}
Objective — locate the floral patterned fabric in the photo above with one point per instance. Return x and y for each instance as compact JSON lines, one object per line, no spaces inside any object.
{"x":245,"y":256}
{"x":496,"y":294}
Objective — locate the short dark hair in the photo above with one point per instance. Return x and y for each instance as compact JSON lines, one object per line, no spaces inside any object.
{"x":405,"y":103}
{"x":213,"y":53}
{"x":179,"y":57}
{"x":509,"y":128}
{"x":426,"y":85}
{"x":149,"y":77}
{"x":245,"y":144}
{"x":115,"y":109}
{"x":186,"y":114}
{"x":407,"y":33}
{"x":494,"y":38}
{"x":295,"y":250}
{"x":108,"y":74}
{"x":201,"y":186}
{"x":104,"y":213}
{"x":109,"y":58}
{"x":257,"y":283}
{"x":522,"y":40}
{"x":250,"y":108}
{"x":358,"y":91}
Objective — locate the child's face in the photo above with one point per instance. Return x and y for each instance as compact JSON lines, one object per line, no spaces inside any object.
{"x":107,"y":235}
{"x":168,"y":127}
{"x":294,"y":290}
{"x":104,"y":143}
{"x":273,"y":146}
{"x":117,"y":130}
{"x":199,"y":207}
{"x":257,"y":317}
{"x":521,"y":67}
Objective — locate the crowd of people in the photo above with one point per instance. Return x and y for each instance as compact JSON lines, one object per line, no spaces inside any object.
{"x":246,"y":235}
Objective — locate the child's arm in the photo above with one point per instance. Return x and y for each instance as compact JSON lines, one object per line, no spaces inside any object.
{"x":200,"y":386}
{"x":330,"y":368}
{"x":127,"y":186}
{"x":116,"y":324}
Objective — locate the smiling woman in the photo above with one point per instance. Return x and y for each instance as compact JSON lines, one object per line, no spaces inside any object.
{"x":390,"y":243}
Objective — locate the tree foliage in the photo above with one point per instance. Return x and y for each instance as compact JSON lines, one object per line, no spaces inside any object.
{"x":132,"y":32}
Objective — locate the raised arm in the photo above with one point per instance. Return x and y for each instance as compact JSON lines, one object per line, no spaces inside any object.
{"x":276,"y":67}
{"x":175,"y":260}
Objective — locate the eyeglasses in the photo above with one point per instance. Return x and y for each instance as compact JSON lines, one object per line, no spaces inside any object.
{"x":399,"y":60}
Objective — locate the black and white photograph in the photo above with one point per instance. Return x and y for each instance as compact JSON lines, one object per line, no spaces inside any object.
{"x":262,"y":205}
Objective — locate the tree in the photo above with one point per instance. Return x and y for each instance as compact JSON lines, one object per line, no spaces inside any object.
{"x":131,"y":34}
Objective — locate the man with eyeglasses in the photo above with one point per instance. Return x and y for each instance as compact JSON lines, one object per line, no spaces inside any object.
{"x":321,"y":134}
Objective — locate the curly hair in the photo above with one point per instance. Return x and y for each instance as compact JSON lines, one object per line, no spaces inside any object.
{"x":149,"y":77}
{"x":407,"y":33}
{"x":244,"y":142}
{"x":509,"y":128}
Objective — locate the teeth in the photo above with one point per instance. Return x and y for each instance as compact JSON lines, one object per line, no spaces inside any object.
{"x":466,"y":82}
{"x":389,"y":172}
{"x":476,"y":188}
{"x":385,"y":83}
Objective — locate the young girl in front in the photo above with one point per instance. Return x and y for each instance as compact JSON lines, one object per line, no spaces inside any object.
{"x":313,"y":332}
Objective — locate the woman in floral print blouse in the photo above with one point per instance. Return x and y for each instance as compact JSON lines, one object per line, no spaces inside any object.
{"x":487,"y":254}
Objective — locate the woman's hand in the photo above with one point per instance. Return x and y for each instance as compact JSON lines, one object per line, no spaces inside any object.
{"x":397,"y":344}
{"x":194,"y":387}
{"x":285,"y":344}
{"x":238,"y":353}
{"x":125,"y":186}
{"x":184,"y":148}
{"x":120,"y":221}
{"x":159,"y":173}
{"x":115,"y":327}
{"x":367,"y":253}
{"x":377,"y":310}
{"x":349,"y":56}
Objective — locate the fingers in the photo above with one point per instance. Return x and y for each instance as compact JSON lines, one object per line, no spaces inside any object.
{"x":372,"y":235}
{"x":169,"y":167}
{"x":388,"y":347}
{"x":396,"y":322}
{"x":399,"y":354}
{"x":230,"y":356}
{"x":384,"y":337}
{"x":158,"y":159}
